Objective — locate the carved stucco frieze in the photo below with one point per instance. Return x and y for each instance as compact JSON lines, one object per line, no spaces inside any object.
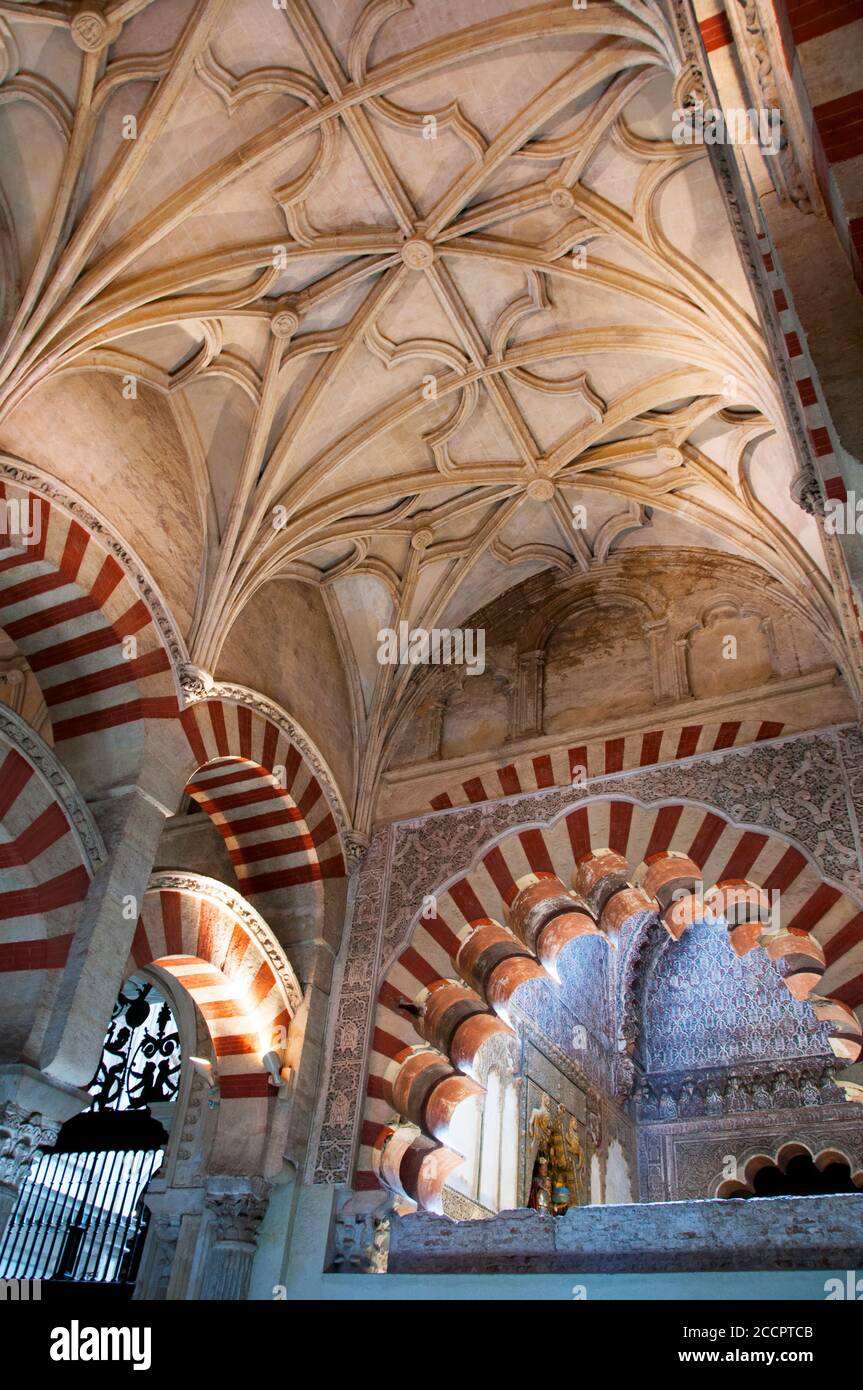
{"x":795,"y":787}
{"x":353,"y":986}
{"x":850,"y":745}
{"x":682,"y":1160}
{"x":802,"y":1084}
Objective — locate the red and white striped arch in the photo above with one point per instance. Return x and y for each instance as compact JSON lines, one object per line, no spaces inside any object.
{"x":104,"y":652}
{"x":90,"y":639}
{"x":50,"y":850}
{"x":605,"y":757}
{"x":223,"y":953}
{"x":265,"y":798}
{"x":723,"y":851}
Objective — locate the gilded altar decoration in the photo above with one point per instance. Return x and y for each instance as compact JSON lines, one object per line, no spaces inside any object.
{"x":560,"y":1165}
{"x":578,"y":1160}
{"x":558,"y":1156}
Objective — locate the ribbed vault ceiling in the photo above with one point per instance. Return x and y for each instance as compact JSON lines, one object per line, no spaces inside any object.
{"x":425,"y":290}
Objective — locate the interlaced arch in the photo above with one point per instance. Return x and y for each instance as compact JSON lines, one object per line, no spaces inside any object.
{"x":484,"y":938}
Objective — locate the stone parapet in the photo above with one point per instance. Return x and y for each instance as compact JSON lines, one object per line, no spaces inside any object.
{"x":760,"y":1233}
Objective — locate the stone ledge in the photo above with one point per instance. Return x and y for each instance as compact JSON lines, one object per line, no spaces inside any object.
{"x":756,"y":1234}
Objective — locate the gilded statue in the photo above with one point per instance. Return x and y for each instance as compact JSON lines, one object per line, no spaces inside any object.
{"x":539,"y":1124}
{"x":540,"y":1187}
{"x":579,"y":1161}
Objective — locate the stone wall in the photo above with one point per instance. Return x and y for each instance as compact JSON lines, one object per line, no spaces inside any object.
{"x":781,"y":1233}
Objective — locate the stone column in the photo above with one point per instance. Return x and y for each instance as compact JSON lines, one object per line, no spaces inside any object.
{"x":157,"y":1261}
{"x":131,"y":825}
{"x":236,"y":1207}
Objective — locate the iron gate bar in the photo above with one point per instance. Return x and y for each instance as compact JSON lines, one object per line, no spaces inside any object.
{"x":105,"y":1225}
{"x":79,"y":1216}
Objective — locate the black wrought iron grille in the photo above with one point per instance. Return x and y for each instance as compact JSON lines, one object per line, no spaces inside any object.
{"x":140,"y":1063}
{"x":80,"y":1217}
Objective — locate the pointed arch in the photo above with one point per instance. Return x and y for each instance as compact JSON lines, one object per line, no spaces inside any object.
{"x":276,"y":805}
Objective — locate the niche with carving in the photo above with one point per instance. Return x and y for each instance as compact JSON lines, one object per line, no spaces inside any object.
{"x":597,"y":667}
{"x":475,"y":714}
{"x":732,"y":648}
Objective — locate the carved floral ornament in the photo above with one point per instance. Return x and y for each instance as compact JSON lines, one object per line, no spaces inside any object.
{"x":23,"y":1134}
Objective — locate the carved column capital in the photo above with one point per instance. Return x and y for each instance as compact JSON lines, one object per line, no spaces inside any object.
{"x":237,"y":1215}
{"x":23,"y":1134}
{"x":356,"y":848}
{"x":361,"y":1235}
{"x":236,"y":1207}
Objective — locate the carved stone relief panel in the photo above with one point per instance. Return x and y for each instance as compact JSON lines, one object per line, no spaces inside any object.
{"x":688,"y":1159}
